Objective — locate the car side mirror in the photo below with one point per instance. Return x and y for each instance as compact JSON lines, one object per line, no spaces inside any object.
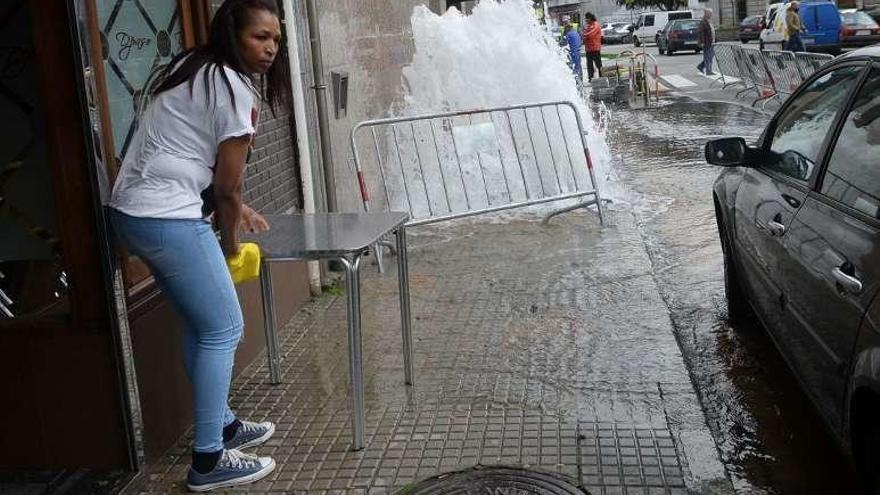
{"x":727,"y":152}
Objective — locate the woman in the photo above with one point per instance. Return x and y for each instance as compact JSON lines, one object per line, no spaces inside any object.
{"x":593,"y":41}
{"x":192,"y":143}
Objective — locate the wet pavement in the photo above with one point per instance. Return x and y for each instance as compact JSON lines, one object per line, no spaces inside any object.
{"x":770,"y":438}
{"x":539,"y":346}
{"x":601,"y":354}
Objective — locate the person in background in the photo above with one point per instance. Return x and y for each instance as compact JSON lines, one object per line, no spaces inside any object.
{"x":186,"y":165}
{"x":573,"y":39}
{"x":593,"y":41}
{"x":794,"y":27}
{"x":706,"y":41}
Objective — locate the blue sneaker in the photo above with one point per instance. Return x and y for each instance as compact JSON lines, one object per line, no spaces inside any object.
{"x":234,"y":468}
{"x":250,"y":434}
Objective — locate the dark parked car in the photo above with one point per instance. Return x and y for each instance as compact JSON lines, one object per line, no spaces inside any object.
{"x":678,"y":35}
{"x":750,"y":28}
{"x":799,"y":220}
{"x":859,"y":29}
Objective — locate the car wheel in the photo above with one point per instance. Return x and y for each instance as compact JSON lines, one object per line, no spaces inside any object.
{"x":660,"y":50}
{"x":761,"y":44}
{"x":744,"y":41}
{"x":670,"y":52}
{"x":698,"y":50}
{"x":636,"y":42}
{"x":737,"y":305}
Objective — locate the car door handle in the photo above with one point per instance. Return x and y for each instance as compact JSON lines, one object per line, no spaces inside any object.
{"x":776,"y":229}
{"x":847,"y":282}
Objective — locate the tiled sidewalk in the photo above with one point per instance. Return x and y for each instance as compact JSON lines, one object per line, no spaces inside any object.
{"x":540,"y":346}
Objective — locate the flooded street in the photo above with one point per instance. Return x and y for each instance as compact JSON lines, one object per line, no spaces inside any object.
{"x":769,"y":436}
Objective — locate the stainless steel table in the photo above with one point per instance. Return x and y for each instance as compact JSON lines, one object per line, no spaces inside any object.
{"x":346,"y":237}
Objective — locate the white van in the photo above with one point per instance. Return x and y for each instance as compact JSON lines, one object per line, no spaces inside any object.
{"x":649,"y":23}
{"x":774,"y":26}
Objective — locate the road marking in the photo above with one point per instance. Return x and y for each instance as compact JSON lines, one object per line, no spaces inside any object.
{"x":717,"y":77}
{"x":677,"y":81}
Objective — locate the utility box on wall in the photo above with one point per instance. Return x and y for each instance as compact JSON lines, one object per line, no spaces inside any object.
{"x":339,"y":81}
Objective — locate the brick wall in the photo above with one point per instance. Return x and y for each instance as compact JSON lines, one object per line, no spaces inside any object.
{"x":272,"y":181}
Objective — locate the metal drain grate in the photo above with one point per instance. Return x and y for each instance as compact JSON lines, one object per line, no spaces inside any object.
{"x":494,"y":480}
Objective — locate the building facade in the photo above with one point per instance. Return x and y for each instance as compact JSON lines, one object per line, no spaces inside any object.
{"x":86,"y":337}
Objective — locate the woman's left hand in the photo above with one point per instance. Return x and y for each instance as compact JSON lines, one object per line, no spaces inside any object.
{"x":251,"y":221}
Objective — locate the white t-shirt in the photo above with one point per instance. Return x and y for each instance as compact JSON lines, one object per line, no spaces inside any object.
{"x":172,"y":155}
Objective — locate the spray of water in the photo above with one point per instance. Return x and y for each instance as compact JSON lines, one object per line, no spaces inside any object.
{"x":499,"y":55}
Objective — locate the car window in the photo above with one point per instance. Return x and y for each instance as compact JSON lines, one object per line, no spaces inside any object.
{"x":688,"y":24}
{"x":858,"y":19}
{"x":649,"y":20}
{"x":853,"y":174}
{"x":800,"y":130}
{"x":680,"y":15}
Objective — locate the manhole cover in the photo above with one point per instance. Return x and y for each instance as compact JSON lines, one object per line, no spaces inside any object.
{"x":493,"y":481}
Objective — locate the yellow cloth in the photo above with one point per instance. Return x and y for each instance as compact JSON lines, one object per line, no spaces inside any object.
{"x":245,"y":265}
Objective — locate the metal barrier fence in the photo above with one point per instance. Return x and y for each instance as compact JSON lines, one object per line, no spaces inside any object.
{"x":639,"y":68}
{"x":463,"y":163}
{"x":770,"y":74}
{"x":765,"y":85}
{"x":783,"y":66}
{"x":811,"y":62}
{"x":725,"y":62}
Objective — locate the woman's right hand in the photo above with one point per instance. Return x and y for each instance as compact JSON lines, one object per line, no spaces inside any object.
{"x":251,"y":221}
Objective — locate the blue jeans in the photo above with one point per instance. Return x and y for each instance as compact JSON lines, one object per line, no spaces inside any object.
{"x":795,"y":43}
{"x":184,"y":257}
{"x":708,"y":57}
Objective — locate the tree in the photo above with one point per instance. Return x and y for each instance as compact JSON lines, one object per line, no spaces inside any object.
{"x":653,"y":4}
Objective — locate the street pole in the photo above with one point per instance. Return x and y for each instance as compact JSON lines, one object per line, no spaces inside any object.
{"x":321,"y":101}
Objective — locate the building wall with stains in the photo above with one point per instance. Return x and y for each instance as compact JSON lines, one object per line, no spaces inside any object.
{"x":370,"y":41}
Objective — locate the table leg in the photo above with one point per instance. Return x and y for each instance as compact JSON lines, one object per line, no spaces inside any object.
{"x":405,"y":313}
{"x":269,"y":323}
{"x":355,"y":349}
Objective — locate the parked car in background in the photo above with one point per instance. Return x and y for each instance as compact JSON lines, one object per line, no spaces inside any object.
{"x":677,"y":36}
{"x":821,"y":20}
{"x":774,"y":24}
{"x":750,"y":28}
{"x":799,"y":220}
{"x":622,"y":34}
{"x":609,"y":27}
{"x":859,"y":29}
{"x":650,"y":23}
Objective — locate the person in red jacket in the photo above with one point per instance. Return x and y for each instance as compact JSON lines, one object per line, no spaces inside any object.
{"x":593,"y":41}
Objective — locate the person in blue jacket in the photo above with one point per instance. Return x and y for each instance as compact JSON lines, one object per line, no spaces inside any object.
{"x":573,"y":38}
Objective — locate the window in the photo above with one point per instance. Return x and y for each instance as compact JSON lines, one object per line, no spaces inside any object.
{"x":679,"y":15}
{"x":128,"y":44}
{"x":649,"y":20}
{"x":801,"y":130}
{"x":853,"y":175}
